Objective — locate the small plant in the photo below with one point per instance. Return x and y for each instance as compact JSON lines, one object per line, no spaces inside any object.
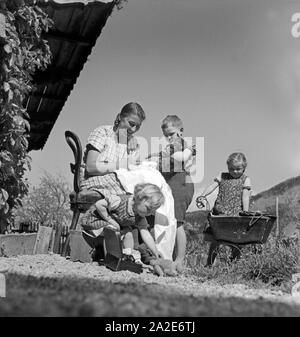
{"x":273,"y":263}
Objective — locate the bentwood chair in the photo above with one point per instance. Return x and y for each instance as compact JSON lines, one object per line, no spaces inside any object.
{"x":80,"y":199}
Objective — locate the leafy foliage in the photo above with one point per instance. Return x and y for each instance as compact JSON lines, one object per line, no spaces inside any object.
{"x":47,"y":203}
{"x":22,"y":52}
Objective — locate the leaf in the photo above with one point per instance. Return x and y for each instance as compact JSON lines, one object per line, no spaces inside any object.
{"x":6,"y":208}
{"x":7,"y":156}
{"x":4,"y":194}
{"x":19,"y":202}
{"x":14,"y":82}
{"x":12,"y":142}
{"x":7,"y":48}
{"x":25,"y":113}
{"x":27,"y":124}
{"x":18,"y":120}
{"x":6,"y":86}
{"x":10,"y":95}
{"x":11,"y":61}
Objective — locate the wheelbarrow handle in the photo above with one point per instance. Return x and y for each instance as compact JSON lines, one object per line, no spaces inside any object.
{"x":253,"y":221}
{"x":202,"y":202}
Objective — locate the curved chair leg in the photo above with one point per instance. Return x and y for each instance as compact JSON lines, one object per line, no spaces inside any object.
{"x":66,"y":246}
{"x":73,"y":226}
{"x":75,"y":218}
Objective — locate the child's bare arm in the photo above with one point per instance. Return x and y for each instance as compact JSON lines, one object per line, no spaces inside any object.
{"x":95,"y":166}
{"x":210,"y":189}
{"x":149,"y":241}
{"x":101,"y":206}
{"x":246,"y":199}
{"x":246,"y":194}
{"x":200,"y":200}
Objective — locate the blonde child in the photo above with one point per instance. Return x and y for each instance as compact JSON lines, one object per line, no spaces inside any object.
{"x":233,"y":195}
{"x":126,"y":212}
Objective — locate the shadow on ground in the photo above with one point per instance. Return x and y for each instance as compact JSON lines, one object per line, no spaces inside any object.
{"x":31,"y":296}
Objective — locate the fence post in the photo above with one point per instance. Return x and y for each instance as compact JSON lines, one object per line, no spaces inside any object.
{"x":277,"y":217}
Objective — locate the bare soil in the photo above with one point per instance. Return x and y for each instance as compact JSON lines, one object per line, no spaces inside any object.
{"x":50,"y":285}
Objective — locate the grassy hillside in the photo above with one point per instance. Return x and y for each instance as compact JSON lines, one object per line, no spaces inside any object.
{"x":287,"y":190}
{"x":288,"y":194}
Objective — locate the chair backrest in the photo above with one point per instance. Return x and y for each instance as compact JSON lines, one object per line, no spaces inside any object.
{"x":74,"y":143}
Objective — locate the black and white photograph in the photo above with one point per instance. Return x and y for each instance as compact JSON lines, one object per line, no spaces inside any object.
{"x":150,"y":161}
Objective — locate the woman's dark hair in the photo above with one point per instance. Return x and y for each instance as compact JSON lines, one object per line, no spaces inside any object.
{"x":133,"y":108}
{"x":128,"y":109}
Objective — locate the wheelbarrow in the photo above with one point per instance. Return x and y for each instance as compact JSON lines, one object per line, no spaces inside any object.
{"x":247,"y":228}
{"x":236,"y":231}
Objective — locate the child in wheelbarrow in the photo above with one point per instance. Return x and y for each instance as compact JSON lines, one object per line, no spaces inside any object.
{"x":233,"y":197}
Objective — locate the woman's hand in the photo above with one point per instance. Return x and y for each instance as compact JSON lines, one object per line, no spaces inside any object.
{"x":114,"y":226}
{"x":133,"y":159}
{"x":152,"y":155}
{"x":132,"y":145}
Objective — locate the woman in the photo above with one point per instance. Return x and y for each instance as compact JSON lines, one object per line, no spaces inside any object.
{"x":111,"y":147}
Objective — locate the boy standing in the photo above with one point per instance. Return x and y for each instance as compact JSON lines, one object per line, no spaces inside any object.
{"x":175,"y":161}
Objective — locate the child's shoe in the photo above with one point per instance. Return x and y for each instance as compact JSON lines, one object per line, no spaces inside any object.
{"x":137,"y":256}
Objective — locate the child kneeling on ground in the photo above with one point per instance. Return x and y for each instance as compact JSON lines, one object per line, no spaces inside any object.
{"x":127,"y":212}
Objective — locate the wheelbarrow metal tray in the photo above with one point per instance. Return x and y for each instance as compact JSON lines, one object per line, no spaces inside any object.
{"x":238,"y":229}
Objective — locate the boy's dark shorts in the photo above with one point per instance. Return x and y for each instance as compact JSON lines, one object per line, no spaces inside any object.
{"x":183,"y":192}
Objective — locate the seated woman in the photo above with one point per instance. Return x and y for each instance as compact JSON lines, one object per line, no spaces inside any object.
{"x":110,"y":147}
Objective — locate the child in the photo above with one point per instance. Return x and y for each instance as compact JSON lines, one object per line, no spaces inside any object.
{"x":175,"y":160}
{"x":125,"y":212}
{"x":233,"y":196}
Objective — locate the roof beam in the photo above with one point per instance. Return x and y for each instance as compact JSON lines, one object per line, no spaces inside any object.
{"x":51,"y":97}
{"x":59,"y":36}
{"x":53,"y":75}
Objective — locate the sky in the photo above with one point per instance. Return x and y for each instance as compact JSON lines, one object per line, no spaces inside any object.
{"x":230,"y":69}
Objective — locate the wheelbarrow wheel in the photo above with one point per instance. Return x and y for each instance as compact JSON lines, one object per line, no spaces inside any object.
{"x":227,"y":253}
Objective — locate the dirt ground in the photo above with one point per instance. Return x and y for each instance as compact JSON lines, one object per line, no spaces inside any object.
{"x":50,"y":285}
